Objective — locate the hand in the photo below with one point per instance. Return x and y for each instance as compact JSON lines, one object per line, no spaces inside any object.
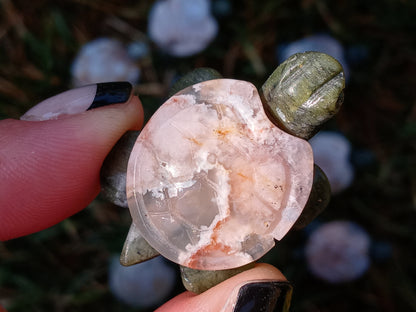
{"x":49,"y":168}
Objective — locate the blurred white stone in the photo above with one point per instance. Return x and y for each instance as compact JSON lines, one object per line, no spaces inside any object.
{"x":331,"y":152}
{"x":338,"y":252}
{"x":142,"y":285}
{"x":319,"y":43}
{"x":182,"y":27}
{"x":102,"y":60}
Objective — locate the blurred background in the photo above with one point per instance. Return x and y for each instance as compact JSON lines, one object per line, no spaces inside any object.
{"x":359,"y":254}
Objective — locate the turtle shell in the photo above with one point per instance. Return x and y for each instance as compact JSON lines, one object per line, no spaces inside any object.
{"x":211,"y":182}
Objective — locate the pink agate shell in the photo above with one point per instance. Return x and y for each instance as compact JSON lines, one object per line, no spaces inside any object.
{"x":211,"y":182}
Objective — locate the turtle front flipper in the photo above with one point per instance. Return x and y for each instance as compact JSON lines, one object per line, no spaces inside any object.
{"x":136,"y":249}
{"x":318,"y":199}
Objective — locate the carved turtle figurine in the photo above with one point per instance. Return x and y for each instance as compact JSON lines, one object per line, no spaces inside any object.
{"x":221,"y":171}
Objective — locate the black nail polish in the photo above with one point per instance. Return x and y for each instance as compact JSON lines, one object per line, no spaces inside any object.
{"x":111,"y":93}
{"x":264,"y":297}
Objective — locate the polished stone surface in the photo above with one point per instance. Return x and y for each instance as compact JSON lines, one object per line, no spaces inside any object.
{"x":136,"y":249}
{"x":211,"y":182}
{"x":304,"y":92}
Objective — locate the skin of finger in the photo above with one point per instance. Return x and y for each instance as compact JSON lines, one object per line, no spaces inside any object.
{"x":49,"y":170}
{"x":223,"y":296}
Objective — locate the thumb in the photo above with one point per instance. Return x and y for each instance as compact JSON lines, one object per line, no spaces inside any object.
{"x":263,"y":288}
{"x":49,"y":169}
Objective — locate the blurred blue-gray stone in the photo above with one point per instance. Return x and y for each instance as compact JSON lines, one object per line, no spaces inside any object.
{"x":338,"y":252}
{"x":145,"y":285}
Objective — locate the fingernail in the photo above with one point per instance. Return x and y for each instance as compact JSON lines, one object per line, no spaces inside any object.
{"x":79,"y":100}
{"x":264,"y":297}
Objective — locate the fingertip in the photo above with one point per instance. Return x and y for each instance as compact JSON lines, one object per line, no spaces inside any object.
{"x":137,"y":109}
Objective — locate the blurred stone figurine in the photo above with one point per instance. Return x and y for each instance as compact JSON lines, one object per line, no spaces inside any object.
{"x":103,"y":59}
{"x":221,"y":170}
{"x":157,"y":281}
{"x":332,"y":152}
{"x":338,"y":251}
{"x":182,"y":28}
